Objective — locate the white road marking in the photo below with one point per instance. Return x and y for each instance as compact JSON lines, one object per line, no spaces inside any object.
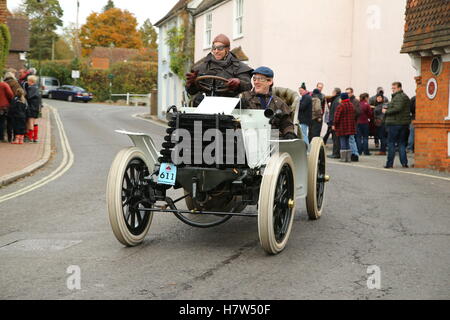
{"x":66,"y":164}
{"x":390,"y":170}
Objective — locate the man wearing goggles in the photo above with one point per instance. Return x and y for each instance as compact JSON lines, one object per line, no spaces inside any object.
{"x":222,"y":63}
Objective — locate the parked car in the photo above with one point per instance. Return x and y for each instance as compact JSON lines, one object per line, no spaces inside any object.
{"x":70,"y":93}
{"x":47,"y":84}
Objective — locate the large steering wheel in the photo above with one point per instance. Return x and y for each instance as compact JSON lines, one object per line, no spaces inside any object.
{"x":217,"y":85}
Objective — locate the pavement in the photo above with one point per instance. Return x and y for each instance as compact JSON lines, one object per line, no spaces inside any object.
{"x":18,"y":161}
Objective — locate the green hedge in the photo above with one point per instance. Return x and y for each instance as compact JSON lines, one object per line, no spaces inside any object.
{"x":5,"y":42}
{"x":133,"y":77}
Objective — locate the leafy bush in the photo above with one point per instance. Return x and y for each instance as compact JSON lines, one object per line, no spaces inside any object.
{"x":5,"y":42}
{"x":134,"y":77}
{"x":58,"y":69}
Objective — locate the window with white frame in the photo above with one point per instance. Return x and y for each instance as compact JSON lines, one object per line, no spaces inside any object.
{"x":208,"y":30}
{"x":238,"y":18}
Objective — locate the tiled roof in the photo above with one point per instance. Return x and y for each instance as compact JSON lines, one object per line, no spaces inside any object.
{"x":114,"y":54}
{"x":20,"y":36}
{"x":427,"y":25}
{"x":207,"y":4}
{"x":178,"y":6}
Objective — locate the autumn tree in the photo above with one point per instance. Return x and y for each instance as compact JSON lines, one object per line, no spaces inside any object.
{"x":109,"y":5}
{"x":45,"y":17}
{"x":63,"y":50}
{"x":114,"y":27}
{"x":148,"y":35}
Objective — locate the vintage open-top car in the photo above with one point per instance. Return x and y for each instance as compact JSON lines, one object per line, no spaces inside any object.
{"x":225,"y":159}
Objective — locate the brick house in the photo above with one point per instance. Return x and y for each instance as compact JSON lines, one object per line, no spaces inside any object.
{"x":427,"y":41}
{"x":20,"y":37}
{"x":20,"y":42}
{"x":3,"y":11}
{"x":102,"y":58}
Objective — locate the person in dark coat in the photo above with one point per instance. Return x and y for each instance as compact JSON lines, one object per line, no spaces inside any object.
{"x":18,"y":116}
{"x":373,"y":102}
{"x":380,"y":124}
{"x":261,"y":97}
{"x":398,"y":119}
{"x":10,"y":79}
{"x":335,"y":101}
{"x":34,"y":108}
{"x":222,"y":63}
{"x":305,"y":112}
{"x":344,"y":125}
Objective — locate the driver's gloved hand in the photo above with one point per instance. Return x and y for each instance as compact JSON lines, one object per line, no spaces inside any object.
{"x":190,"y":78}
{"x":234,"y":84}
{"x":290,"y":136}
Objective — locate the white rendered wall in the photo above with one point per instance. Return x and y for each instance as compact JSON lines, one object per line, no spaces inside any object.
{"x":339,"y":42}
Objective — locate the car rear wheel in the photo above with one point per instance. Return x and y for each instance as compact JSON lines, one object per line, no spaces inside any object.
{"x":50,"y":96}
{"x":70,"y":98}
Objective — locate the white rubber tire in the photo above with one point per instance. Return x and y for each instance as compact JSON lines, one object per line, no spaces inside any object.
{"x":114,"y":198}
{"x":312,"y":207}
{"x":266,"y":203}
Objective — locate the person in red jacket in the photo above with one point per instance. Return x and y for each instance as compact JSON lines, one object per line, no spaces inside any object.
{"x":362,"y":135}
{"x":6,"y":96}
{"x":344,"y":125}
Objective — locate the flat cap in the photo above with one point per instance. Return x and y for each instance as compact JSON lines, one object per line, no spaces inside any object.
{"x":265,"y":71}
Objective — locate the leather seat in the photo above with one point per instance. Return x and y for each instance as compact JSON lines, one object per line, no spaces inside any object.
{"x":292,"y":99}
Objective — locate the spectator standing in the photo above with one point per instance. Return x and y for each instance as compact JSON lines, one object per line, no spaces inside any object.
{"x":323,"y":100}
{"x":373,"y":103}
{"x":362,"y":134}
{"x":352,"y":140}
{"x":18,"y":116}
{"x":410,"y":147}
{"x":10,"y":79}
{"x":317,"y":115}
{"x":335,"y":101}
{"x":380,"y":123}
{"x":398,"y":119}
{"x":34,"y":108}
{"x":344,"y":125}
{"x":373,"y":99}
{"x":6,"y":96}
{"x":305,"y":112}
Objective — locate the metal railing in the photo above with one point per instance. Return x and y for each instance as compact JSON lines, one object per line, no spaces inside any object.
{"x":135,"y":98}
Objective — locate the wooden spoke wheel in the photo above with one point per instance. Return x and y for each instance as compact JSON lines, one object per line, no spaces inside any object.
{"x":276,"y":205}
{"x":126,"y":197}
{"x":317,"y":179}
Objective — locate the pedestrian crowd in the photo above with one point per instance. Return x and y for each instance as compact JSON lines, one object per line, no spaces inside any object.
{"x":352,"y":121}
{"x":20,"y":107}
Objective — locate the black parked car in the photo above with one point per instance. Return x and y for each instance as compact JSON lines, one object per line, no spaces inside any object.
{"x":70,"y":93}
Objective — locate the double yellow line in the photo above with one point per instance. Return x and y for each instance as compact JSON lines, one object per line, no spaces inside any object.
{"x":66,"y":164}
